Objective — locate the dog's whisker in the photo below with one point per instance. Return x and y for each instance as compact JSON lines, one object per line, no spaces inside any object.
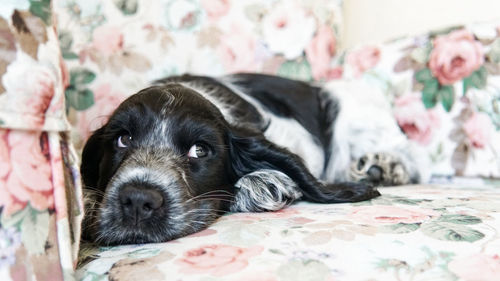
{"x":204,"y":213}
{"x":217,"y":192}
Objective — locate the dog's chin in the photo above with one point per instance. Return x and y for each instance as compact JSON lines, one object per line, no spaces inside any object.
{"x":114,"y":229}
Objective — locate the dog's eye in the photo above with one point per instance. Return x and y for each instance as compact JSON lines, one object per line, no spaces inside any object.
{"x":123,"y":141}
{"x":197,"y":151}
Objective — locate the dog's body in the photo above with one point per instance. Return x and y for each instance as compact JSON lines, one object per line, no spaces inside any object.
{"x":175,"y":156}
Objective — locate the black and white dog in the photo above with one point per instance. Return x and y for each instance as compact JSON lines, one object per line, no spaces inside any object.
{"x":175,"y":156}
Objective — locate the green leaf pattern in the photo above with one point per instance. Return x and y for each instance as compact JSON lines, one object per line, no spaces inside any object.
{"x":300,"y":70}
{"x":449,"y":231}
{"x":34,"y":228}
{"x":355,"y":250}
{"x":41,"y":9}
{"x":78,"y":95}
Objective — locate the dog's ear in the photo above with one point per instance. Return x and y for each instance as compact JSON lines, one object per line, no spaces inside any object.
{"x":269,"y":177}
{"x":91,"y":158}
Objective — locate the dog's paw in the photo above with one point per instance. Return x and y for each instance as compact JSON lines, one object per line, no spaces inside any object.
{"x":263,"y":191}
{"x":380,"y":169}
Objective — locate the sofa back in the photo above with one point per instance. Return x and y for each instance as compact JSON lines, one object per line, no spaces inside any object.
{"x":443,"y":86}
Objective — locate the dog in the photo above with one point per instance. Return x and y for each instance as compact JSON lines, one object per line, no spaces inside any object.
{"x":175,"y":156}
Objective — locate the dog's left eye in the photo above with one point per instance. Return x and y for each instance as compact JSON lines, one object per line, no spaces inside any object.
{"x":197,"y":151}
{"x":123,"y":141}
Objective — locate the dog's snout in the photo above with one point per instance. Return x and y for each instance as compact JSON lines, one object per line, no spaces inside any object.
{"x":140,"y":203}
{"x":375,"y":173}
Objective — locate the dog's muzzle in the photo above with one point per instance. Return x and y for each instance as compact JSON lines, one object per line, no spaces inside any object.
{"x":139,"y":201}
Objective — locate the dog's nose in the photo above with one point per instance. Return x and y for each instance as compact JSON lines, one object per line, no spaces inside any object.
{"x":140,"y":203}
{"x":375,"y":173}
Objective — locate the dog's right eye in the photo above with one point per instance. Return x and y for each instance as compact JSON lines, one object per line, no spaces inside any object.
{"x":198,"y":151}
{"x":123,"y":141}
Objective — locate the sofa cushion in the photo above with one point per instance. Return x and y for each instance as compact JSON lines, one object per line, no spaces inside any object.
{"x":424,"y":232}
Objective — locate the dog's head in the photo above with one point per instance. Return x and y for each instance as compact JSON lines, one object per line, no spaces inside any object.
{"x":158,"y":169}
{"x":167,"y":164}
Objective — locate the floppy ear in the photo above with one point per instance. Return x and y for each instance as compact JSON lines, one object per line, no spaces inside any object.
{"x":269,"y":177}
{"x":91,"y":159}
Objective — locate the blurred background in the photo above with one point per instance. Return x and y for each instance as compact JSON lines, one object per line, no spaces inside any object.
{"x":368,"y":21}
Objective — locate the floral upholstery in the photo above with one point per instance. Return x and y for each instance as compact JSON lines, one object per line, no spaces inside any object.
{"x":40,"y":203}
{"x":410,"y":233}
{"x":445,"y":93}
{"x":443,"y":86}
{"x":115,"y":48}
{"x":66,"y":65}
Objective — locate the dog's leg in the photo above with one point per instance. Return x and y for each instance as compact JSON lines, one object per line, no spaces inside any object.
{"x":264,"y":190}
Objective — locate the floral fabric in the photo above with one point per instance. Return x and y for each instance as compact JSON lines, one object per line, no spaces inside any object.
{"x":32,"y":79}
{"x":443,"y":86}
{"x":115,"y":48}
{"x":444,"y":91}
{"x":40,"y":205}
{"x":428,"y":232}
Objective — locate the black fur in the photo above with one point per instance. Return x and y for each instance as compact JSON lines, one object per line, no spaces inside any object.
{"x":250,"y":152}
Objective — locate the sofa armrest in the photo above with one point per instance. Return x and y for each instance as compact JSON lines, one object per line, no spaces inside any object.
{"x":40,"y":194}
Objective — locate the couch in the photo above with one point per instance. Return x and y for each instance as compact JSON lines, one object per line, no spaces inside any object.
{"x":65,"y":65}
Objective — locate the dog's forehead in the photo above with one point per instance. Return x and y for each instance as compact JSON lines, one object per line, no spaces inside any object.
{"x":172,"y":97}
{"x":159,"y":113}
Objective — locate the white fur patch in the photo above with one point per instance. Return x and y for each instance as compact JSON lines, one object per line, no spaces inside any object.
{"x":286,"y":132}
{"x":222,"y":105}
{"x":264,"y":190}
{"x":289,"y":133}
{"x":365,"y":124}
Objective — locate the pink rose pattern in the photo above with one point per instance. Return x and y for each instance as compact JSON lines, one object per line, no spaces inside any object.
{"x":391,"y":215}
{"x":451,"y":73}
{"x":216,"y":8}
{"x":320,"y":52}
{"x":31,"y":90}
{"x":417,"y":122}
{"x":455,"y":56}
{"x":216,"y":260}
{"x":107,"y":100}
{"x":478,"y":129}
{"x":215,"y":37}
{"x":480,"y":267}
{"x":35,"y":164}
{"x":107,"y":39}
{"x":363,"y":59}
{"x":41,"y":97}
{"x":428,"y":230}
{"x":207,"y":37}
{"x":234,"y":50}
{"x":27,"y":174}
